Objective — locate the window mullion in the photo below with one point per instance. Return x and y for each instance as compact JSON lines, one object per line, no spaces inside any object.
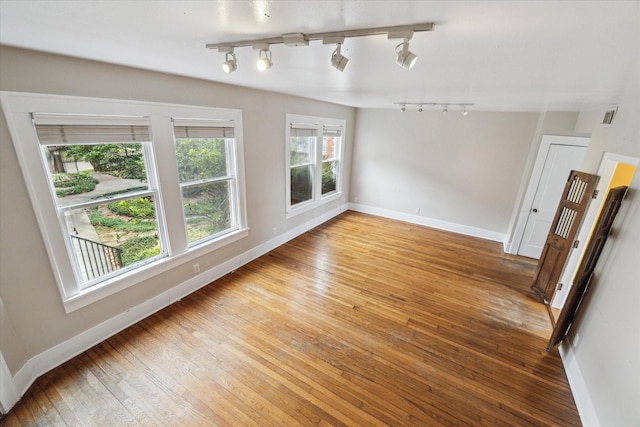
{"x":317,"y":176}
{"x":298,"y":165}
{"x":169,"y":205}
{"x":104,"y":200}
{"x":232,"y":171}
{"x":206,"y":181}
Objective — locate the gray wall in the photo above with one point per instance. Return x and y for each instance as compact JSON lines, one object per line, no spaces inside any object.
{"x":608,"y":352}
{"x":32,"y":318}
{"x":463,"y":170}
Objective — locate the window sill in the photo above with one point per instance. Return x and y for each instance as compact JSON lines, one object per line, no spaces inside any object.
{"x":110,"y":287}
{"x":307,"y":206}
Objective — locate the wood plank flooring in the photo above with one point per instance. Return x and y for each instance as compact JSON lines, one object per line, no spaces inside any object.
{"x":361,"y":321}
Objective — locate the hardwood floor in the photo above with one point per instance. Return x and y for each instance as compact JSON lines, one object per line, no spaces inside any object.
{"x":361,"y":321}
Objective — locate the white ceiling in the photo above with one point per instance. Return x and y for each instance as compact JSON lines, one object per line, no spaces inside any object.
{"x":499,"y":55}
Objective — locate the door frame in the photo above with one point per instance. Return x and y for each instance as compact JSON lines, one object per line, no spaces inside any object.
{"x":536,"y":174}
{"x":606,"y":170}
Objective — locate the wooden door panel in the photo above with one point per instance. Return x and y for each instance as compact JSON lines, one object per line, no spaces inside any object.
{"x":577,"y":193}
{"x":587,"y":265}
{"x":551,"y":257}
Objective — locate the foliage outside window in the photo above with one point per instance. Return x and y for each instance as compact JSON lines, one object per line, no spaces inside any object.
{"x":313,"y":161}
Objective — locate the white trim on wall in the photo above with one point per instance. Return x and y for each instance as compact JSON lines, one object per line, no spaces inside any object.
{"x":8,"y":393}
{"x":429,"y":222}
{"x":579,"y":389}
{"x":12,"y":388}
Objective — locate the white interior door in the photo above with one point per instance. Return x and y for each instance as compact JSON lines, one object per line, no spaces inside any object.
{"x":559,"y":162}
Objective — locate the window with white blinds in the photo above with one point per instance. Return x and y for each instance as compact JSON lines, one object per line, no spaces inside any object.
{"x":207,"y":175}
{"x":117,"y":196}
{"x":97,"y":167}
{"x":313,"y":160}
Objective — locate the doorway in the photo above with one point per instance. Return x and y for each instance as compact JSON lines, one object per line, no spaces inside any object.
{"x":557,"y":156}
{"x":614,"y":171}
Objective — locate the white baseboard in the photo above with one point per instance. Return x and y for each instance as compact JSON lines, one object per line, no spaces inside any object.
{"x":8,"y":393}
{"x":430,"y":222}
{"x":12,"y":388}
{"x":581,"y":395}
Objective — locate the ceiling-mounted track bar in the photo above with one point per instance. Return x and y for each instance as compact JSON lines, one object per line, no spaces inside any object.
{"x":437,"y":104}
{"x":398,"y":31}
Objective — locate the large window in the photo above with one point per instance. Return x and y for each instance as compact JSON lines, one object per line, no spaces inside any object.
{"x":98,"y":178}
{"x":314,"y":161}
{"x":123,"y":190}
{"x":207,"y":176}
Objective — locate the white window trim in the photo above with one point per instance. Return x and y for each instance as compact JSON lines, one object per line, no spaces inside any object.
{"x":233,"y":174}
{"x":18,"y":108}
{"x":317,"y":199}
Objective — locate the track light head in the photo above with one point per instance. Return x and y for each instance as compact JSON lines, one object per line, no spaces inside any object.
{"x":264,"y":60}
{"x":445,"y":109}
{"x":464,"y":111}
{"x":405,"y":58}
{"x":338,"y":61}
{"x":230,"y":64}
{"x":419,"y":108}
{"x":403,"y":108}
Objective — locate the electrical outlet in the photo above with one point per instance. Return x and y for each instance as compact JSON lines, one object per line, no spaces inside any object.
{"x":417,"y":210}
{"x":576,"y":339}
{"x":196,"y":268}
{"x":355,"y":199}
{"x":275,"y":230}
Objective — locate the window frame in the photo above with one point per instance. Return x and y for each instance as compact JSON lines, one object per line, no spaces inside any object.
{"x":231,"y":176}
{"x":317,"y":198}
{"x":18,"y":108}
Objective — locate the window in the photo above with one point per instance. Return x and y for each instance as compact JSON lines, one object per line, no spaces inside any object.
{"x":313,"y":162}
{"x":123,"y":190}
{"x":207,"y":177}
{"x":97,"y":173}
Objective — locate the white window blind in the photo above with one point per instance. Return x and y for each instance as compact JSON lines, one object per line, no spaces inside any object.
{"x":188,"y":128}
{"x":203,"y":132}
{"x":332,"y":131}
{"x":302,"y":131}
{"x":55,"y":129}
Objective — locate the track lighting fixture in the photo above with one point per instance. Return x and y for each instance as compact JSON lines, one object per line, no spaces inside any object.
{"x":338,"y":60}
{"x":445,"y":106}
{"x":230,"y":64}
{"x":404,"y":57}
{"x":264,"y":60}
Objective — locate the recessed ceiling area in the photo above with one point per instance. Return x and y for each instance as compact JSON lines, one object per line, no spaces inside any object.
{"x":498,"y":55}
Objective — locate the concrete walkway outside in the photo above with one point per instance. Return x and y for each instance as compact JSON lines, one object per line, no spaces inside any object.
{"x":106,"y":184}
